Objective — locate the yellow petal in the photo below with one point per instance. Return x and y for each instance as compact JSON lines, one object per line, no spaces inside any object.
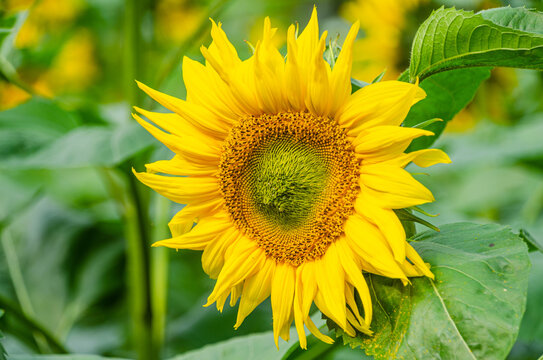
{"x":318,"y":99}
{"x":383,"y":142}
{"x":196,"y":115}
{"x":282,"y":297}
{"x":354,"y":276}
{"x":199,"y":237}
{"x":295,"y":86}
{"x":182,"y":190}
{"x":297,"y":307}
{"x":242,"y":262}
{"x":315,"y":331}
{"x":235,"y":294}
{"x":417,"y":261}
{"x":181,"y":167}
{"x":422,"y":158}
{"x":214,"y":253}
{"x":382,"y":103}
{"x":368,"y":242}
{"x":331,"y":285}
{"x":353,"y":322}
{"x":191,"y":147}
{"x":340,"y":80}
{"x":192,"y":212}
{"x":206,"y":88}
{"x":269,"y":67}
{"x":309,"y":282}
{"x":392,"y":187}
{"x":255,"y":290}
{"x":309,"y":39}
{"x":386,"y":220}
{"x":222,"y":48}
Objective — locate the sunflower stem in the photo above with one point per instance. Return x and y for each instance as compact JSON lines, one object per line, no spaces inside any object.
{"x":137,"y":234}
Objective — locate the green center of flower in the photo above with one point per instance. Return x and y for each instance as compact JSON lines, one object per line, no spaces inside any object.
{"x":289,"y":182}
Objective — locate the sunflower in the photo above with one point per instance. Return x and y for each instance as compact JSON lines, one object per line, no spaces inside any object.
{"x":291,"y":180}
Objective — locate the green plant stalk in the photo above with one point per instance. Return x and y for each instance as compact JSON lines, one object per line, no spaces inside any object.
{"x":13,"y":310}
{"x":137,"y":235}
{"x":23,"y":297}
{"x":159,"y":271}
{"x":121,"y":189}
{"x":138,"y":275}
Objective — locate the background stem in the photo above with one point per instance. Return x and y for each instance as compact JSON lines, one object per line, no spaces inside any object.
{"x":159,"y":270}
{"x":137,"y":235}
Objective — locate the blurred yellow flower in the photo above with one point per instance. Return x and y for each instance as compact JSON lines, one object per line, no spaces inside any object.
{"x":291,"y":178}
{"x":175,"y":20}
{"x":17,"y":5}
{"x":383,"y":23}
{"x":46,"y":16}
{"x":11,"y":95}
{"x":74,"y":69}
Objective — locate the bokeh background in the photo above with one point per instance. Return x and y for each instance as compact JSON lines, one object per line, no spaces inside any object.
{"x":77,"y":273}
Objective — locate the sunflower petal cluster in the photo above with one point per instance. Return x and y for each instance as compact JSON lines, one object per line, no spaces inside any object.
{"x":290,"y":179}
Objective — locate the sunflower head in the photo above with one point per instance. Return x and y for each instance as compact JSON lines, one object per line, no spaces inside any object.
{"x":290,"y":179}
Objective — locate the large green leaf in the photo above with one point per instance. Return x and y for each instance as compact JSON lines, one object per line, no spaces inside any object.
{"x":452,"y":39}
{"x":32,"y":125}
{"x":471,"y":311}
{"x":518,"y":18}
{"x":85,"y":146}
{"x":62,"y":357}
{"x":530,"y":338}
{"x":256,"y":346}
{"x":447,"y":94}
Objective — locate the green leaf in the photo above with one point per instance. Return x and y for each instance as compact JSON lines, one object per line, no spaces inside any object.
{"x":518,"y":18}
{"x":357,"y":84}
{"x":62,"y":357}
{"x":533,"y":244}
{"x":405,"y":215}
{"x":453,"y":39}
{"x":471,"y":311}
{"x":86,"y":146}
{"x":255,"y":346}
{"x":447,"y":94}
{"x":32,"y":125}
{"x":315,"y":349}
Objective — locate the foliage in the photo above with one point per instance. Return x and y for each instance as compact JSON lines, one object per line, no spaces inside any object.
{"x":472,"y":309}
{"x":452,"y":39}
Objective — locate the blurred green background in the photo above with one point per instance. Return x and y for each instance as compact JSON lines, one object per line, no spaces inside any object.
{"x":77,"y":272}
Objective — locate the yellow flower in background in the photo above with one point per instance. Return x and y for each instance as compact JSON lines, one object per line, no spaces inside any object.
{"x":11,"y":95}
{"x":292,"y":179}
{"x":177,"y":19}
{"x":17,"y":5}
{"x":74,"y":69}
{"x":45,"y":16}
{"x":383,"y":22}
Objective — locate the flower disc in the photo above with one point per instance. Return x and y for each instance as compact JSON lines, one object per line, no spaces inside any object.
{"x":289,"y":182}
